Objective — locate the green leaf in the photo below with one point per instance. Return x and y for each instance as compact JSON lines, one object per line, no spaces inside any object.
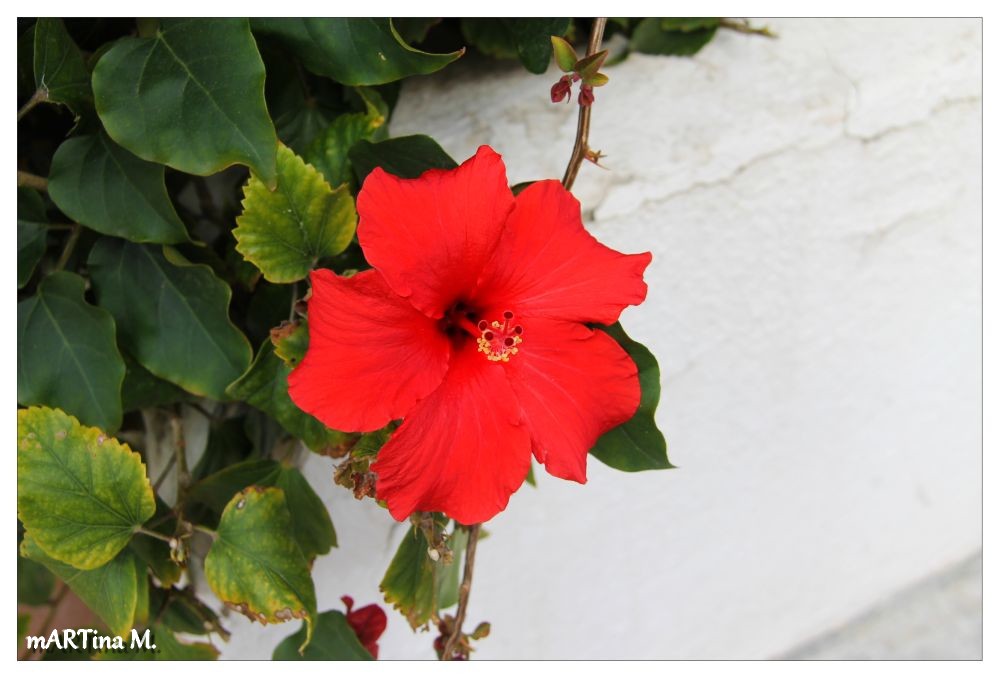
{"x":689,"y":24}
{"x":333,"y":640}
{"x":184,"y":613}
{"x":59,"y":67}
{"x":142,"y":388}
{"x":173,"y":316}
{"x":34,"y":582}
{"x":369,"y":444}
{"x":67,"y":356}
{"x":406,"y":157}
{"x":80,"y":494}
{"x":596,"y":80}
{"x":588,"y":66}
{"x":31,"y":233}
{"x":191,"y":97}
{"x":256,"y":567}
{"x":418,"y":586}
{"x":565,"y":54}
{"x":414,"y":29}
{"x":227,"y":444}
{"x":286,"y":231}
{"x":636,"y":445}
{"x":353,"y":51}
{"x":313,"y":528}
{"x":329,"y":153}
{"x":101,"y":185}
{"x":155,"y":552}
{"x":653,"y":36}
{"x":110,"y":590}
{"x":291,"y":341}
{"x":528,"y":39}
{"x":168,"y":648}
{"x":265,"y":386}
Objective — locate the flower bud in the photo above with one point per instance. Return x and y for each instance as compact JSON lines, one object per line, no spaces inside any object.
{"x":562,"y":89}
{"x":586,"y":95}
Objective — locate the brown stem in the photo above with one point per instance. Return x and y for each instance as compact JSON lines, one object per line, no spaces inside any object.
{"x":40,"y":95}
{"x":580,"y":148}
{"x":743,"y":26}
{"x":180,"y":453}
{"x":32,"y":181}
{"x":68,"y":248}
{"x":463,"y":594}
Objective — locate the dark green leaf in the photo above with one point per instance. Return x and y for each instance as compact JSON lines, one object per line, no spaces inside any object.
{"x":142,"y":388}
{"x":109,"y":590}
{"x":59,"y":66}
{"x":418,"y":586}
{"x":31,"y":233}
{"x":528,"y":39}
{"x":173,"y":316}
{"x":216,"y":490}
{"x":406,"y":157}
{"x":101,"y":185}
{"x":652,"y":37}
{"x":412,"y":29}
{"x":227,"y":444}
{"x":689,"y":24}
{"x":333,"y":640}
{"x":313,"y":528}
{"x":67,"y":357}
{"x":255,"y":565}
{"x":183,"y":612}
{"x":80,"y":494}
{"x":636,"y":445}
{"x":265,"y":386}
{"x":329,"y":153}
{"x":353,"y":51}
{"x":191,"y":97}
{"x":284,"y":232}
{"x":34,"y":582}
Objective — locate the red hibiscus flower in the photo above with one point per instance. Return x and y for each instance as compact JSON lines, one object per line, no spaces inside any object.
{"x":368,"y":623}
{"x":473,"y":329}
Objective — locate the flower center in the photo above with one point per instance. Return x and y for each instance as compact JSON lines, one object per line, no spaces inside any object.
{"x":499,"y":340}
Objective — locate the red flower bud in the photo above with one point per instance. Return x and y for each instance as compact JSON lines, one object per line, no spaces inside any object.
{"x":562,"y":89}
{"x":586,"y":95}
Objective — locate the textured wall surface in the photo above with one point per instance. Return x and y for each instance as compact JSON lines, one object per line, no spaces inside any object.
{"x":813,"y":205}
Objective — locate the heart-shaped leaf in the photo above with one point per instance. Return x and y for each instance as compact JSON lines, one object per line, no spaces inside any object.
{"x":172,"y":315}
{"x":110,"y":591}
{"x":191,"y":97}
{"x":80,"y":494}
{"x":636,"y":445}
{"x":353,"y":51}
{"x":286,"y":231}
{"x":256,"y":567}
{"x":67,"y":356}
{"x":103,"y":186}
{"x":333,"y":640}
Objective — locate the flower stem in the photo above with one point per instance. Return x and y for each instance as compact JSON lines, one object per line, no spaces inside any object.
{"x":463,"y":593}
{"x":154,"y":535}
{"x":580,"y":147}
{"x":68,"y":248}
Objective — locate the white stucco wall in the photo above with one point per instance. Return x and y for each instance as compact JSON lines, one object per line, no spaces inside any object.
{"x":813,"y":205}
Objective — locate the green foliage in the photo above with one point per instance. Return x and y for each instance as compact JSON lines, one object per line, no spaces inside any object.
{"x":526,"y":39}
{"x":329,"y":152}
{"x":353,"y":51}
{"x":168,"y":648}
{"x":334,"y":640}
{"x":284,"y":232}
{"x":636,"y":445}
{"x":110,"y":590}
{"x":191,"y":97}
{"x":256,"y":567}
{"x":172,"y":315}
{"x":673,"y":37}
{"x":34,"y":582}
{"x":60,"y":71}
{"x":101,"y":185}
{"x":80,"y":494}
{"x":406,"y":157}
{"x":68,"y":358}
{"x":31,"y":232}
{"x":417,"y":585}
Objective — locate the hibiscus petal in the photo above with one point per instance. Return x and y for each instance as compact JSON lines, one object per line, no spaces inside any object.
{"x":462,"y":450}
{"x":573,"y":385}
{"x":548,"y":265}
{"x":431,"y":236}
{"x":371,"y":354}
